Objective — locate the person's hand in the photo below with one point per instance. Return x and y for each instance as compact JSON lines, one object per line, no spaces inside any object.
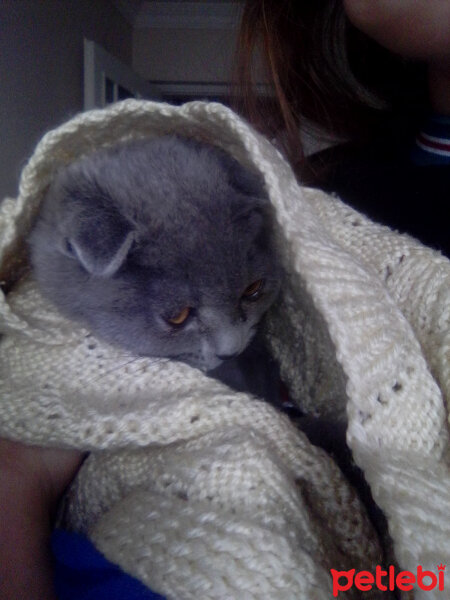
{"x":32,"y":481}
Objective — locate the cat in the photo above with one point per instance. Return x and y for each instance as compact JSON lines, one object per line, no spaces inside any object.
{"x":162,"y":247}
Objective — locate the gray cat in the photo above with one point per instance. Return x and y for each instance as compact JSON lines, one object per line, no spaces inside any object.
{"x":162,"y":247}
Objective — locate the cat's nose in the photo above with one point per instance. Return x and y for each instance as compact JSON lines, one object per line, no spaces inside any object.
{"x":227,"y":356}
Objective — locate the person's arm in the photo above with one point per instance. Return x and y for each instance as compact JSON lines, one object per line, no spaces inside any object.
{"x":31,"y":483}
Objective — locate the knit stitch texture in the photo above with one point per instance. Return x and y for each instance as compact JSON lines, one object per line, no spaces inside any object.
{"x":202,"y":492}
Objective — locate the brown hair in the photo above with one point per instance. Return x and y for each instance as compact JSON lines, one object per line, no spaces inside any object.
{"x":322,"y":70}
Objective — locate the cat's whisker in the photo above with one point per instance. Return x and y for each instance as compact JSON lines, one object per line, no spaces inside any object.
{"x":48,"y":390}
{"x":117,"y":368}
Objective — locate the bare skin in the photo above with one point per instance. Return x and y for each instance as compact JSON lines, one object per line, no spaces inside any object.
{"x":31,"y":482}
{"x":418,"y":29}
{"x":439,"y":87}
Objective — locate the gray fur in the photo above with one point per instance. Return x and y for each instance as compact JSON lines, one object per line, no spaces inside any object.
{"x":129,"y":236}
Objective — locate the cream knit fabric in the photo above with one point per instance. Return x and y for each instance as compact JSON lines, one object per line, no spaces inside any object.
{"x":205,"y":493}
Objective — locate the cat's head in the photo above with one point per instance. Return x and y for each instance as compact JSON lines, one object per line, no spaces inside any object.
{"x":162,"y":247}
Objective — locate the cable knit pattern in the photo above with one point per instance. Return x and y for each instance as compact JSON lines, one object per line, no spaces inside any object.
{"x":202,"y":492}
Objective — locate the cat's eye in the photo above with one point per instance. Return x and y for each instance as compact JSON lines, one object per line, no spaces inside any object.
{"x":254,"y":290}
{"x":181,"y":317}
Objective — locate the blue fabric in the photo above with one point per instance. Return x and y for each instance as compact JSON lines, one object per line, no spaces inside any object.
{"x":82,"y":573}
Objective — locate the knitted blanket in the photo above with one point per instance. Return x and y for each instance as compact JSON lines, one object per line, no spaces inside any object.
{"x":203,"y":492}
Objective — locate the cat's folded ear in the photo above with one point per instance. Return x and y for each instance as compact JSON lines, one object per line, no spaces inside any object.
{"x":97,"y":236}
{"x":246,"y":181}
{"x":252,"y":202}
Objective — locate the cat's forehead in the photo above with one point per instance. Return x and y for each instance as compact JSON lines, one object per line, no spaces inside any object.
{"x":199,"y":287}
{"x":204,"y":256}
{"x":197,"y":251}
{"x":165,"y":176}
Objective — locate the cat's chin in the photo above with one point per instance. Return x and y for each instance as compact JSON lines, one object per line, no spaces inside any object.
{"x":213,"y":364}
{"x":207,"y":366}
{"x":203,"y":365}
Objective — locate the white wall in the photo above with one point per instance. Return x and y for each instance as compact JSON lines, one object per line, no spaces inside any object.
{"x":41,"y":69}
{"x":194,"y":55}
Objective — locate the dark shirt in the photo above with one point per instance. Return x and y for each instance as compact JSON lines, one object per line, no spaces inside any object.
{"x":384,"y":183}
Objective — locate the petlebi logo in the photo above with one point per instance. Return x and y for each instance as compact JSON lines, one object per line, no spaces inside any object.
{"x":389,"y":579}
